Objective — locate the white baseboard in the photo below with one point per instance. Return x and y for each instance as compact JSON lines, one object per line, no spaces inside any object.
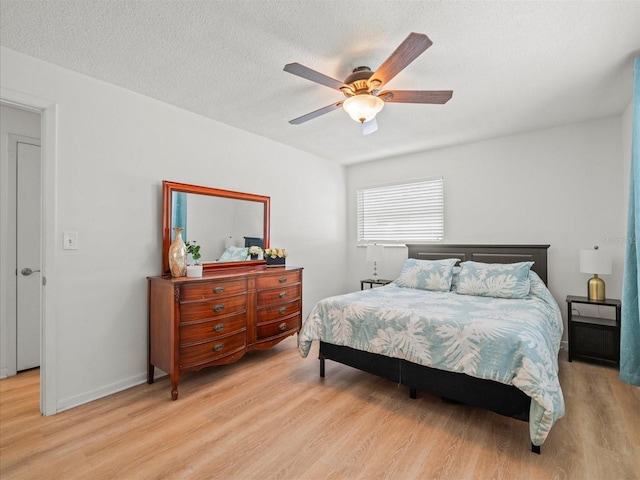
{"x":564,"y":345}
{"x":77,"y":400}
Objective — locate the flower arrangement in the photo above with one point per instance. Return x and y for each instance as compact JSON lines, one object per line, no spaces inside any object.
{"x":254,"y":250}
{"x":194,"y":250}
{"x":275,"y":252}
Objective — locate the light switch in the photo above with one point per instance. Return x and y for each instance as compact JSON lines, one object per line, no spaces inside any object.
{"x":70,"y":241}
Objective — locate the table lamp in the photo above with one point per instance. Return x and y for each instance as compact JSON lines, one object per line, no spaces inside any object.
{"x":374,"y":254}
{"x":596,"y":262}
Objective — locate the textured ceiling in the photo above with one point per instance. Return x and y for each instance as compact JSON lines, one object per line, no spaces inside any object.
{"x":514,"y":66}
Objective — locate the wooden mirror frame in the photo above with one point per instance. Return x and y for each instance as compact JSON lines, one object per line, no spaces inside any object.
{"x":167,"y":194}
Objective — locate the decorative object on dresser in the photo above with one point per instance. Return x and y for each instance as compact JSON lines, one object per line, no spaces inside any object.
{"x":596,"y":262}
{"x":275,"y":256}
{"x":194,"y":269}
{"x":594,"y":337}
{"x":215,"y":320}
{"x":375,"y":253}
{"x":177,"y":255}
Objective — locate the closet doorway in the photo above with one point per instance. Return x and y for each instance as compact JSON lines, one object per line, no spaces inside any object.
{"x":21,"y":232}
{"x":22,"y":240}
{"x":43,"y":128}
{"x":28,"y":201}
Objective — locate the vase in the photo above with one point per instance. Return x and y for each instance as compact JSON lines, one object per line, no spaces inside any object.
{"x":178,"y":255}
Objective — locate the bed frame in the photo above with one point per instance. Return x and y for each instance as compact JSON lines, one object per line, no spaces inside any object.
{"x":458,"y":387}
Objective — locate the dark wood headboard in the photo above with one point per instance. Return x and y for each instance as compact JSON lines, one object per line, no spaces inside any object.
{"x":486,"y":254}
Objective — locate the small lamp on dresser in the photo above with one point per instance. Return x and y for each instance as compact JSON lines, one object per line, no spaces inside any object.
{"x":374,"y":254}
{"x":597,"y":262}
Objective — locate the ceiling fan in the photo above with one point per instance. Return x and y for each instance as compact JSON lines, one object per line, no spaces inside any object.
{"x":362,"y":88}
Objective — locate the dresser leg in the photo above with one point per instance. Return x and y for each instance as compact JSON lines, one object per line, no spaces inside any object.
{"x":175,"y":378}
{"x":321,"y":358}
{"x":150,"y":372}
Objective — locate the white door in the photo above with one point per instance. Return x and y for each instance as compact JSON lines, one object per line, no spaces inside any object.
{"x":28,"y":256}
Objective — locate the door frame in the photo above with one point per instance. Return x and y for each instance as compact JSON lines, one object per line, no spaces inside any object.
{"x":48,"y":354}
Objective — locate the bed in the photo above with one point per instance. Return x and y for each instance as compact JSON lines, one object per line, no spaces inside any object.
{"x":500,"y":354}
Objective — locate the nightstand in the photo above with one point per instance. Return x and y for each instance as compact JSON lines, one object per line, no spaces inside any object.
{"x":594,"y":338}
{"x":373,"y":281}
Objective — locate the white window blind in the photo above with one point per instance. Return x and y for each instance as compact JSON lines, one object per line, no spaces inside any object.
{"x":404,"y":213}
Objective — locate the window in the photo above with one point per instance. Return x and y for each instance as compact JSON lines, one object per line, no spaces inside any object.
{"x":405,"y":213}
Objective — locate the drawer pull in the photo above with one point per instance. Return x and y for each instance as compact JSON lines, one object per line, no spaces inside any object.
{"x":218,"y":347}
{"x":219,"y":327}
{"x":218,"y":290}
{"x":283,"y":280}
{"x":283,"y":294}
{"x":282,"y":327}
{"x":283,"y":310}
{"x":219,"y":307}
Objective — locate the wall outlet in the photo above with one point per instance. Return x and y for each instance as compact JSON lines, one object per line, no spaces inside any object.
{"x":70,"y":241}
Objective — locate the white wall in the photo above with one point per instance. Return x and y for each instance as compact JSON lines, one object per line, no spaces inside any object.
{"x":114,"y":148}
{"x":560,"y":186}
{"x":14,"y":122}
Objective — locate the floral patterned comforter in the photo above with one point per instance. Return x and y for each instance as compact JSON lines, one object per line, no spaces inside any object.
{"x":512,"y":341}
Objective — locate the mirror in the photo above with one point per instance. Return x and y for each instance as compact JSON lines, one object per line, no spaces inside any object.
{"x":220,"y":221}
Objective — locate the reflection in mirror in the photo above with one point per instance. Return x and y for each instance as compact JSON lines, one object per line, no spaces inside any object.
{"x":217,"y":224}
{"x":222,"y":222}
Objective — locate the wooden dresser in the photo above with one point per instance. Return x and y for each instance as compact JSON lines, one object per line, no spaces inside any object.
{"x":214,"y":320}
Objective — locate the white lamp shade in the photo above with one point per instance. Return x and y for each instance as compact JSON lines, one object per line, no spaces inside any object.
{"x":597,"y":262}
{"x":363,"y":108}
{"x":374,"y":253}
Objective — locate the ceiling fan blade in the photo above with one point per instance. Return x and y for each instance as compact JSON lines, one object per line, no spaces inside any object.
{"x":407,"y":52}
{"x":309,"y":74}
{"x":316,"y":113}
{"x":416,"y":96}
{"x":370,"y":126}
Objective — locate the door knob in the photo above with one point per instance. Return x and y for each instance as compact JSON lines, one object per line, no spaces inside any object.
{"x":27,"y":271}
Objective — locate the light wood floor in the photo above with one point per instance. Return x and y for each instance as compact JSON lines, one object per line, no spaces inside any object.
{"x":271,"y":416}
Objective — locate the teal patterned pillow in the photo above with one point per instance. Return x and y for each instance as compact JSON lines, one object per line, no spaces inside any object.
{"x":501,"y":280}
{"x":427,"y":274}
{"x":234,"y":253}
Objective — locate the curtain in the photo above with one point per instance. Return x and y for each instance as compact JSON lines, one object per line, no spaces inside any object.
{"x":179,"y":213}
{"x":630,"y":329}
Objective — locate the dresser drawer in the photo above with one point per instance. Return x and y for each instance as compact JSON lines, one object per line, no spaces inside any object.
{"x":279,"y":327}
{"x":279,"y":280}
{"x":199,"y":332}
{"x":200,"y":311}
{"x":267,"y":314}
{"x":210,"y":351}
{"x":213,"y":289}
{"x":278,"y":295}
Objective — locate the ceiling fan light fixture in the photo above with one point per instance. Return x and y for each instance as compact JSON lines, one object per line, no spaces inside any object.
{"x":363,"y":108}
